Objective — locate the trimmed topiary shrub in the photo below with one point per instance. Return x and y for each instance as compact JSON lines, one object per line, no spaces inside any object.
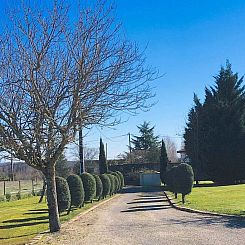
{"x":63,"y":194}
{"x":118,"y":181}
{"x":122,"y":178}
{"x":76,"y":189}
{"x":183,"y":180}
{"x":106,"y":185}
{"x":117,"y":184}
{"x":89,"y":185}
{"x":112,"y":180}
{"x":99,"y":187}
{"x":180,"y":180}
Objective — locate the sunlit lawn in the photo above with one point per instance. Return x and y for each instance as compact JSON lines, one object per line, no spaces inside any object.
{"x":21,"y":220}
{"x":220,"y":199}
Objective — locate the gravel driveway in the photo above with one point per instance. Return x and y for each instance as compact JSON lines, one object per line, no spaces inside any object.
{"x":143,"y":216}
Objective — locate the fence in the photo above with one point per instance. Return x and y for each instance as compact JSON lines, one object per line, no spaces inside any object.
{"x":21,"y":186}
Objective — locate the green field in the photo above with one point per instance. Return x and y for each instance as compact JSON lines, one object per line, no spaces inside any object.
{"x":220,"y":199}
{"x":21,"y":220}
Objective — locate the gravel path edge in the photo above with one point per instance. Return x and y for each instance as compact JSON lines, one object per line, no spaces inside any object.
{"x":37,"y":238}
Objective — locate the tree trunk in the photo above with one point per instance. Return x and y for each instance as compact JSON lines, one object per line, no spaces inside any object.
{"x":175,"y":195}
{"x":183,"y":198}
{"x":54,"y":221}
{"x":43,"y":191}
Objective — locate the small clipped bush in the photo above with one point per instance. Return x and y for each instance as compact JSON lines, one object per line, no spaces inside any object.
{"x":106,"y":185}
{"x":117,"y":184}
{"x":122,"y":178}
{"x":8,"y":197}
{"x":118,"y":180}
{"x":112,"y":180}
{"x":99,"y":187}
{"x":89,"y":185}
{"x":63,"y":194}
{"x":183,"y":180}
{"x":76,"y":189}
{"x":180,"y":180}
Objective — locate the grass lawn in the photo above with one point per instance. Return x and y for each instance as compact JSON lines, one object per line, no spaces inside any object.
{"x":220,"y":199}
{"x":21,"y":220}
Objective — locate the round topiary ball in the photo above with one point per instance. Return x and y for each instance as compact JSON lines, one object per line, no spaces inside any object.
{"x":89,"y":185}
{"x":122,"y":178}
{"x":63,"y":194}
{"x":183,"y":179}
{"x":106,"y":185}
{"x":113,"y":184}
{"x":99,"y":186}
{"x":76,"y":189}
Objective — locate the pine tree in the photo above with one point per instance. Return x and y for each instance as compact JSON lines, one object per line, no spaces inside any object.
{"x":146,"y":146}
{"x":102,"y":159}
{"x":163,"y":162}
{"x":146,"y":140}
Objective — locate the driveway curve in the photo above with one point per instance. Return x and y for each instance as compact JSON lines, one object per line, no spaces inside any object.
{"x":143,"y":216}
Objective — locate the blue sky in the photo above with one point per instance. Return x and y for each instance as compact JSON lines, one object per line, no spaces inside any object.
{"x":187,"y":41}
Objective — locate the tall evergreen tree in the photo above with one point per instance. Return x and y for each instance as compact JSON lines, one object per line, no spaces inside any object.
{"x":102,"y":159}
{"x":221,"y":128}
{"x":163,"y":162}
{"x":224,"y":141}
{"x":193,"y":137}
{"x":146,"y":147}
{"x":147,"y":139}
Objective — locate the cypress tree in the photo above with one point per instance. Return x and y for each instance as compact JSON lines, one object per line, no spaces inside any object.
{"x":102,"y":159}
{"x":163,"y":162}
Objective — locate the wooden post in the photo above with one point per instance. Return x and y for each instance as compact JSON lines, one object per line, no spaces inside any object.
{"x":19,"y":187}
{"x":32,"y":186}
{"x":130,"y":149}
{"x":81,"y":152}
{"x":4,"y":188}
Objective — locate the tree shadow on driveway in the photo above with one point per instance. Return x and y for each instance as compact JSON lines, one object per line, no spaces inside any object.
{"x":229,"y":222}
{"x":149,"y":200}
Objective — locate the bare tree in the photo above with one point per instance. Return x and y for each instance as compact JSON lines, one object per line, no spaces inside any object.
{"x":171,"y":149}
{"x":59,"y":74}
